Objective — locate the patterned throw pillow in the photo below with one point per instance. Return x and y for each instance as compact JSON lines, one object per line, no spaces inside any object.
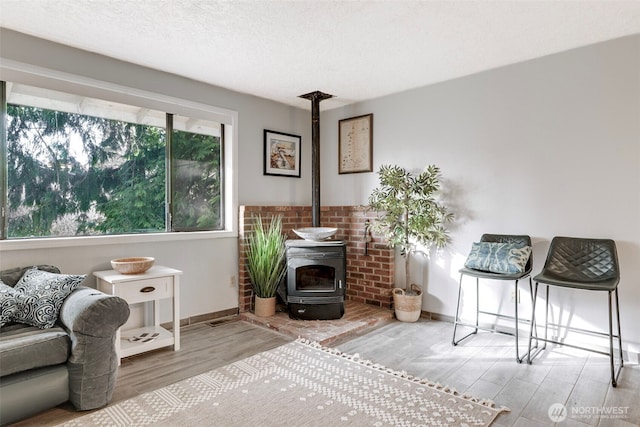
{"x":501,"y":258}
{"x":8,"y":303}
{"x":41,"y":295}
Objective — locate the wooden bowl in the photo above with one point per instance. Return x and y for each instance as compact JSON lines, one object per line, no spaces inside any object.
{"x":132,"y":265}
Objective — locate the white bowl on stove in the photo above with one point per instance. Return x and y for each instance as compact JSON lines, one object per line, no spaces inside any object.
{"x":315,"y":234}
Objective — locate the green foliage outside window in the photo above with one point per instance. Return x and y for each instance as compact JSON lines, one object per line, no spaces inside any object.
{"x":73,"y":174}
{"x":196,"y":195}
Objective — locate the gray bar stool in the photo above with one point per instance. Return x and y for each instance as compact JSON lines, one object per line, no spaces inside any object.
{"x":523,"y":240}
{"x":582,"y":264}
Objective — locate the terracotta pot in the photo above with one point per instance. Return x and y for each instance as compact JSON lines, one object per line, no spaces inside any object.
{"x":265,"y":307}
{"x":407,"y":307}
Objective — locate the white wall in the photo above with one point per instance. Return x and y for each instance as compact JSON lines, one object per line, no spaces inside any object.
{"x":547,"y":147}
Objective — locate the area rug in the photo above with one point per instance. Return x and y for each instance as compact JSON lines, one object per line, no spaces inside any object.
{"x":302,"y":384}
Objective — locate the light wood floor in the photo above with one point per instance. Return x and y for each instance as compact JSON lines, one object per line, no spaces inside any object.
{"x":483,"y":366}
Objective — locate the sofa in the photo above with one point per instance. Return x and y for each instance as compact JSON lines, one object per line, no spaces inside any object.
{"x":56,"y":342}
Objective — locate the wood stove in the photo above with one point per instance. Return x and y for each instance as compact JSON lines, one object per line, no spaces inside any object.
{"x":316,"y":279}
{"x":316,"y":270}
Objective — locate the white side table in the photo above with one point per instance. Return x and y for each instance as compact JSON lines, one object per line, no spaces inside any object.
{"x":155,"y":284}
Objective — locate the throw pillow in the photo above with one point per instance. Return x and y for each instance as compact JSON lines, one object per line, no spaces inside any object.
{"x":12,"y":276}
{"x":501,"y":258}
{"x":42,"y":295}
{"x":8,"y":303}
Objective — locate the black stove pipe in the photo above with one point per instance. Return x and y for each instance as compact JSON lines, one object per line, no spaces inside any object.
{"x":315,"y":98}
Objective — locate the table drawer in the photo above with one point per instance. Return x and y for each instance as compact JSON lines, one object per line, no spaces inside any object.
{"x":146,"y":290}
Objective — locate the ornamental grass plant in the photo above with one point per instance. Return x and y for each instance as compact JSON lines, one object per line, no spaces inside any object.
{"x":266,"y":256}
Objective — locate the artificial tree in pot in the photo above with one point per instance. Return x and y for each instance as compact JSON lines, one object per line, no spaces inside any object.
{"x":265,"y":253}
{"x":409,"y":213}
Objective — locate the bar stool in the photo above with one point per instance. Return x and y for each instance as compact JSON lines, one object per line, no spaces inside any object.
{"x":587,"y":265}
{"x":518,"y":241}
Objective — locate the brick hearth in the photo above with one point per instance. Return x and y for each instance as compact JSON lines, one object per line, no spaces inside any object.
{"x":358,"y":318}
{"x":369,"y":277}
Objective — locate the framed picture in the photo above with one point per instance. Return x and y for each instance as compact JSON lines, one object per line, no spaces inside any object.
{"x":355,"y":144}
{"x":281,"y":154}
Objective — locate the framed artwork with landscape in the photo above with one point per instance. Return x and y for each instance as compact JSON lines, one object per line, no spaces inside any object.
{"x":281,"y":154}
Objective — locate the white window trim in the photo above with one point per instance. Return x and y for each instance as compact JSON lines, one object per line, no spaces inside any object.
{"x":20,"y":72}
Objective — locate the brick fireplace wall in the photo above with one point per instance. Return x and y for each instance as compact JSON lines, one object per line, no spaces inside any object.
{"x":369,"y":277}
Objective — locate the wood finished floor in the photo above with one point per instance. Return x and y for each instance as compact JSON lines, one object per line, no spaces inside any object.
{"x":483,"y":366}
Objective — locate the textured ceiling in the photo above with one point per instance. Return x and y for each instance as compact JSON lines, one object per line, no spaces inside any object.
{"x":355,"y":50}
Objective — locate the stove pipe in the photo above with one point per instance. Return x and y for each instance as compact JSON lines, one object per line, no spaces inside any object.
{"x":315,"y":98}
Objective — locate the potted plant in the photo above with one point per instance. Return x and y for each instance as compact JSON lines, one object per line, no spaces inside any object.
{"x":265,"y":252}
{"x":409,"y":214}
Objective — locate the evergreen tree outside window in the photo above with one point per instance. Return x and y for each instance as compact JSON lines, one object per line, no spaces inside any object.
{"x":196,"y":192}
{"x":80,"y":166}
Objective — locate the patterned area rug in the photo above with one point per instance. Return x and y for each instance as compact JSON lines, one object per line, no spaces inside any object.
{"x":300,"y":383}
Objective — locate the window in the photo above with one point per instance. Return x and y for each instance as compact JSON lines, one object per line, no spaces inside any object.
{"x":81,"y":166}
{"x":196,"y":185}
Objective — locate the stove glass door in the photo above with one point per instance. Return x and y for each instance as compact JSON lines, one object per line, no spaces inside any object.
{"x":315,"y":278}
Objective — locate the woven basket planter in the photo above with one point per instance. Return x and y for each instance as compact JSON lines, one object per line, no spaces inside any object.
{"x":407,"y":307}
{"x":265,"y":307}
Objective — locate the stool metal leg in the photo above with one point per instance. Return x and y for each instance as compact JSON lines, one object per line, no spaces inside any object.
{"x":457,"y":318}
{"x":614,"y":375}
{"x":477,"y":304}
{"x":613,"y":369}
{"x":619,"y":331}
{"x":534,"y":326}
{"x":533,"y":321}
{"x":517,"y":323}
{"x":519,"y":358}
{"x":546,"y":317}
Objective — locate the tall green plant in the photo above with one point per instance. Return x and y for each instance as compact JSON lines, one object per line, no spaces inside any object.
{"x":266,"y":256}
{"x":409,"y":212}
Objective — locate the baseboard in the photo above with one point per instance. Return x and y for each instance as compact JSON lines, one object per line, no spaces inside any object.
{"x":437,"y":316}
{"x":202,"y":318}
{"x":628,"y":356}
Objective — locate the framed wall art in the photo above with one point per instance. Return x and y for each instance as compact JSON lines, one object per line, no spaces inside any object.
{"x":281,"y":154}
{"x":355,"y":144}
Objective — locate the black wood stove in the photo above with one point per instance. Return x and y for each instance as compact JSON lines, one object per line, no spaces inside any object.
{"x":314,"y":287}
{"x":316,"y":279}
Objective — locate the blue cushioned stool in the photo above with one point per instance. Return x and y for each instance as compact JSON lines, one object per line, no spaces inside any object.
{"x":497,"y":257}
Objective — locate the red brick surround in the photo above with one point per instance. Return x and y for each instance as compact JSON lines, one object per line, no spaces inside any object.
{"x":369,"y":277}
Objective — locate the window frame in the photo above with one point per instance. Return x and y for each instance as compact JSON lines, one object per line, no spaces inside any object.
{"x":83,"y":86}
{"x":171,"y":171}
